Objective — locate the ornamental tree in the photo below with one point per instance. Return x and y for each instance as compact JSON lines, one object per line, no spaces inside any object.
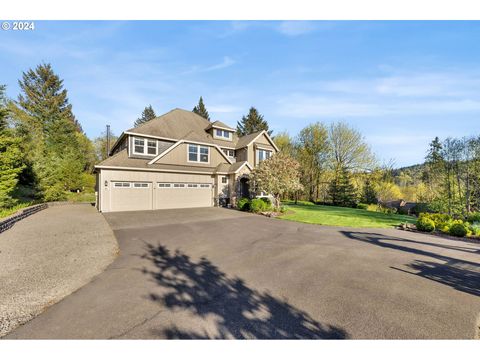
{"x":277,"y":176}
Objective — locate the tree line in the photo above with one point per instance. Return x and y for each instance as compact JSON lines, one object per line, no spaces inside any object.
{"x":43,"y":147}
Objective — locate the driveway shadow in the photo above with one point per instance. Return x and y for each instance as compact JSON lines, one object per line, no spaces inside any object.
{"x":239,"y":311}
{"x":459,"y":278}
{"x":460,"y":274}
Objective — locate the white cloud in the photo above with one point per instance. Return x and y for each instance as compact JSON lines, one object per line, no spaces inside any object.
{"x":227,"y":62}
{"x":311,"y":106}
{"x":295,"y":28}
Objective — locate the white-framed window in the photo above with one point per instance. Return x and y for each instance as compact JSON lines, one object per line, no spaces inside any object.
{"x":178,"y":185}
{"x":164,"y":185}
{"x":198,"y":153}
{"x":225,"y":134}
{"x":192,"y":185}
{"x":229,"y":152}
{"x":141,"y":185}
{"x":143,"y":146}
{"x":224,"y":179}
{"x":263,"y":155}
{"x":204,"y":185}
{"x":122,"y":184}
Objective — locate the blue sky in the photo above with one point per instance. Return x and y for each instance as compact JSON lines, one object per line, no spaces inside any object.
{"x":399,"y":83}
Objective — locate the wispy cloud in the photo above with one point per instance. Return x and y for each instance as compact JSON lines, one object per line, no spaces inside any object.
{"x":225,"y":63}
{"x":295,"y":28}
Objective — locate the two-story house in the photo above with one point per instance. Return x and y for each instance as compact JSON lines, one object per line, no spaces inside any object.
{"x":179,"y":160}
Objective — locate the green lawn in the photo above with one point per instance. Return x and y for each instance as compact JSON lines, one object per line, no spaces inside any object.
{"x":4,"y":212}
{"x":339,"y":216}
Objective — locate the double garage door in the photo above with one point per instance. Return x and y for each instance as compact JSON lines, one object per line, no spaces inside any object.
{"x":130,"y":196}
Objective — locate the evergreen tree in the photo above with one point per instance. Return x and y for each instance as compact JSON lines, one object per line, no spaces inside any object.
{"x":369,"y":195}
{"x":201,"y":110}
{"x":10,"y":156}
{"x":147,"y":114}
{"x":342,"y":192}
{"x":251,"y":123}
{"x":54,"y":148}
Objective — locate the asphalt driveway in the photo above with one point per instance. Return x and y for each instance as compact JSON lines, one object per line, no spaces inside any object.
{"x":217,"y":273}
{"x":47,"y":256}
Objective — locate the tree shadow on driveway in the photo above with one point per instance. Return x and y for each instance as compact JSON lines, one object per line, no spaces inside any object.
{"x":459,"y":274}
{"x":239,"y":311}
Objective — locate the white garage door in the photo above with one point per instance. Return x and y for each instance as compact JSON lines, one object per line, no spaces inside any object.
{"x":129,"y":196}
{"x":169,"y":195}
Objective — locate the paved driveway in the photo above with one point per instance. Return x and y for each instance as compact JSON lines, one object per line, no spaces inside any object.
{"x":217,"y":273}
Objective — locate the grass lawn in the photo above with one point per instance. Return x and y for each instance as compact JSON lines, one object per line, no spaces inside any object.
{"x":4,"y":212}
{"x":339,"y":216}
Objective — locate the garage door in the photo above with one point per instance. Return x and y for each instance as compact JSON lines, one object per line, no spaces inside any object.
{"x":129,"y":196}
{"x":182,"y":195}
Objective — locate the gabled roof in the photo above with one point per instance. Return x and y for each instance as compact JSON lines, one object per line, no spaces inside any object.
{"x":219,"y":125}
{"x":247,"y":139}
{"x":179,"y":124}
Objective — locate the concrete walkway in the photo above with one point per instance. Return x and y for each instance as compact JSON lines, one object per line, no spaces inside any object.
{"x":49,"y":255}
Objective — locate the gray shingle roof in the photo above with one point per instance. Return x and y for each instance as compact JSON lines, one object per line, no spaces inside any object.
{"x":247,"y":139}
{"x":181,"y":124}
{"x":219,"y":124}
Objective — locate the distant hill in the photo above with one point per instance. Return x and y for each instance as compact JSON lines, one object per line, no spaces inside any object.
{"x":409,"y":175}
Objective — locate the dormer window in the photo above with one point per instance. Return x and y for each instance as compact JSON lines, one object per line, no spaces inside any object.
{"x":142,"y":146}
{"x":223,"y":134}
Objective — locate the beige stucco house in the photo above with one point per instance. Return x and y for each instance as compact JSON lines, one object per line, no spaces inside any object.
{"x":179,"y":160}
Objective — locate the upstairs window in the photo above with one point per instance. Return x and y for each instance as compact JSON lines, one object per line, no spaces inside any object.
{"x":198,"y":153}
{"x":229,"y":152}
{"x":223,"y":134}
{"x":263,"y":155}
{"x":144,"y":146}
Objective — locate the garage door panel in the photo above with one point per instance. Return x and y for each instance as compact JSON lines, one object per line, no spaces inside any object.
{"x":174,"y":196}
{"x":131,"y":196}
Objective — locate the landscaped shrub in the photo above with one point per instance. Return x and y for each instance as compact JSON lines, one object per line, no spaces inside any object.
{"x":243,"y":204}
{"x":474,"y":217}
{"x":258,"y":205}
{"x":459,"y":229}
{"x":362,"y":206}
{"x":425,"y":224}
{"x":442,"y":221}
{"x":475,"y":229}
{"x":268,"y":204}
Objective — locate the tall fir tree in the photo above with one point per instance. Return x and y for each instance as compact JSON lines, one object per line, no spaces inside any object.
{"x":201,"y":110}
{"x":251,"y":123}
{"x":341,"y":191}
{"x":52,"y":142}
{"x":369,"y":195}
{"x":10,"y":156}
{"x":147,"y":114}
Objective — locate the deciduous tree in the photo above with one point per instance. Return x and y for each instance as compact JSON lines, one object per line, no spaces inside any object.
{"x":277,"y":175}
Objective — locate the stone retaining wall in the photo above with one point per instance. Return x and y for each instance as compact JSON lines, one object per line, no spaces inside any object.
{"x":8,"y":222}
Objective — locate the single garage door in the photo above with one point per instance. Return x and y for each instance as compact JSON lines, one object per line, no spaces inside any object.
{"x":129,"y":196}
{"x":182,"y":195}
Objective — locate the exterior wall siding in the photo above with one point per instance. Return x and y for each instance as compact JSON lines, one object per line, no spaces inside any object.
{"x":179,"y":156}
